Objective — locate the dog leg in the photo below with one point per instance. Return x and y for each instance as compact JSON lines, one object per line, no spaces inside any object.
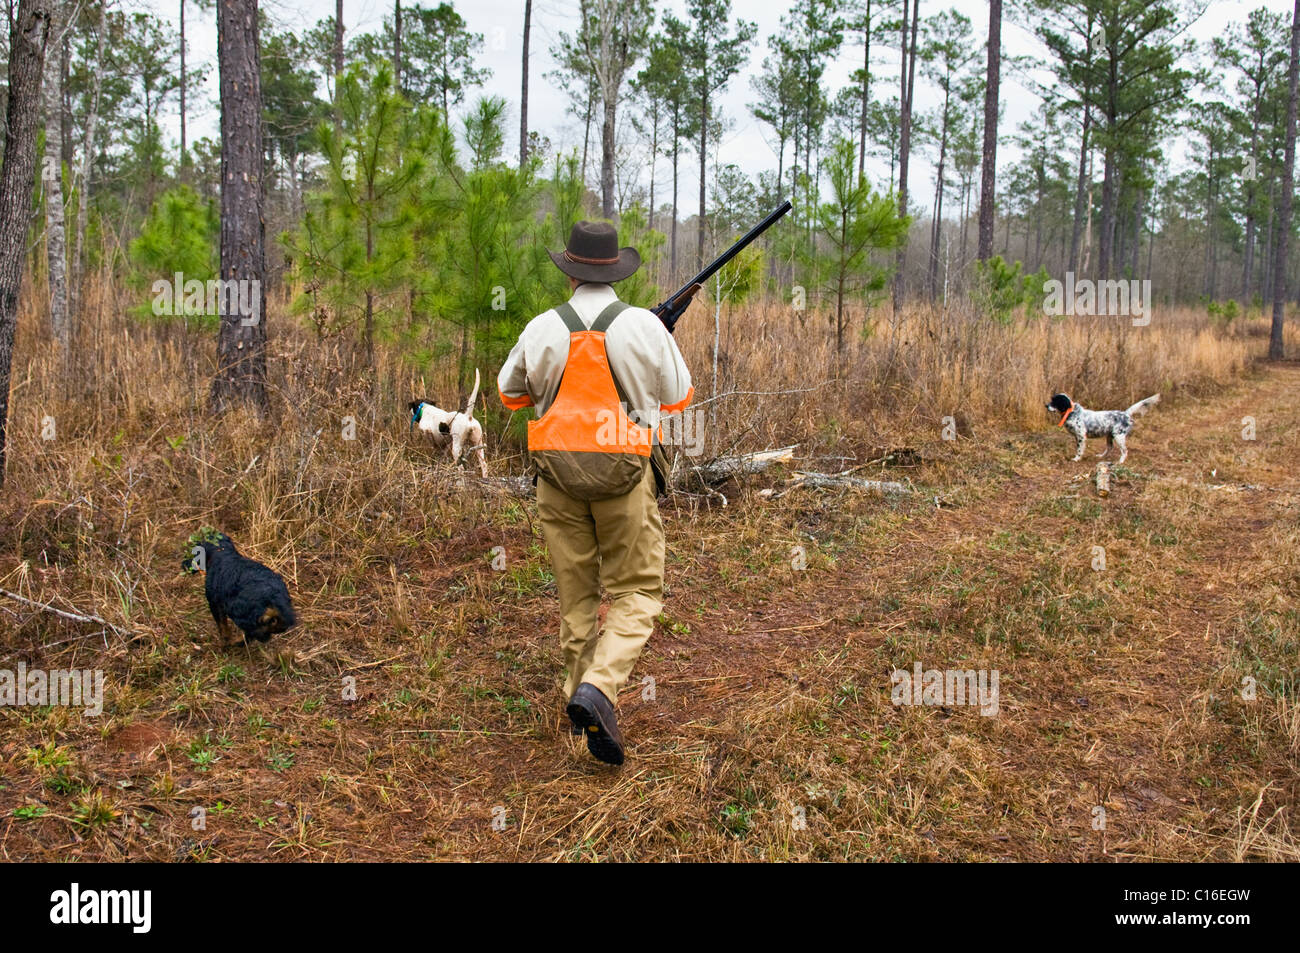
{"x":456,"y":447}
{"x":223,"y":624}
{"x":1122,"y":440}
{"x":1110,"y":442}
{"x":482,"y":459}
{"x":228,"y":637}
{"x":1078,"y":451}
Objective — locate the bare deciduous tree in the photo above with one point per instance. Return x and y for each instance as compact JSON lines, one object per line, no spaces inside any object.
{"x":81,"y":180}
{"x":56,"y":237}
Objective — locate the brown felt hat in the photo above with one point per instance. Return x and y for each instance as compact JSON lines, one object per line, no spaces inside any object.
{"x":593,"y":254}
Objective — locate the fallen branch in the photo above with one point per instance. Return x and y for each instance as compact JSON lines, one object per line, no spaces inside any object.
{"x":724,"y":468}
{"x":715,"y":471}
{"x":816,"y":480}
{"x":73,"y":616}
{"x":518,"y":485}
{"x":824,"y":480}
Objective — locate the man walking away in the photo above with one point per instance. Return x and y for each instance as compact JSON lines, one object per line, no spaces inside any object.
{"x":600,"y":373}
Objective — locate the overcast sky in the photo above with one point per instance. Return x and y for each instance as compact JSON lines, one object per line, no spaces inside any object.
{"x":501,"y":24}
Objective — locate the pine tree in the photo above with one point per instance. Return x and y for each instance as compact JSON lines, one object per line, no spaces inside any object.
{"x":241,"y":342}
{"x":664,"y":77}
{"x":988,"y":160}
{"x":853,"y":223}
{"x":1275,"y":346}
{"x":713,"y":54}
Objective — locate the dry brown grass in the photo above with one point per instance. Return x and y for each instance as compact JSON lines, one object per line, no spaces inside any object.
{"x":934,"y":362}
{"x":1120,"y":689}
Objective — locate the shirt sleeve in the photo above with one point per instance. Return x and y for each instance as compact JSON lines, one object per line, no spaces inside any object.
{"x":675,"y":390}
{"x":512,"y":381}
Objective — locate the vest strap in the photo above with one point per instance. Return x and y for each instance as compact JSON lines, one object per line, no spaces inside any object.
{"x":606,"y":317}
{"x":570,"y":318}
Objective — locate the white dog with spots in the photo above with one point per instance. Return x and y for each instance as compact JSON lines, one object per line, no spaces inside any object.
{"x":456,"y":428}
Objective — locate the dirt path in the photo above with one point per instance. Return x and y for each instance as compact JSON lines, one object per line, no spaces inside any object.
{"x":1109,"y":677}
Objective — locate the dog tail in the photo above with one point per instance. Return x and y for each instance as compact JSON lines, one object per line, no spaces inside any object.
{"x":473,"y":396}
{"x":1142,"y":406}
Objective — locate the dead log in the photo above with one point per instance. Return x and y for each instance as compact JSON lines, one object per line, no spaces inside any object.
{"x":723,"y":469}
{"x":1103,"y":479}
{"x":706,"y":475}
{"x":838,"y":480}
{"x":844,"y":480}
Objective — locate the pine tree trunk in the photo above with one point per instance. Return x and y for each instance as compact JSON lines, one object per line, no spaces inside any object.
{"x":935,"y":228}
{"x":1266,"y":257}
{"x":83,"y":177}
{"x":182,"y":88}
{"x":370,"y":294}
{"x":654,"y":158}
{"x":1135,"y":250}
{"x":1288,"y":179}
{"x":1038,"y":220}
{"x":1248,"y":253}
{"x":523,"y":93}
{"x":866,"y":97}
{"x":904,"y":147}
{"x":56,"y":239}
{"x":676,"y":153}
{"x":241,"y":341}
{"x":704,"y":127}
{"x":397,"y":44}
{"x":28,"y":35}
{"x":1105,"y":241}
{"x":988,"y":164}
{"x":1082,"y":190}
{"x":338,"y":43}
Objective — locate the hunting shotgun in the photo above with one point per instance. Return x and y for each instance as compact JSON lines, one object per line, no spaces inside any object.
{"x":675,"y":304}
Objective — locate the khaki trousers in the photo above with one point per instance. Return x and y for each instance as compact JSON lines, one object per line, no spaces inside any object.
{"x":619,"y":543}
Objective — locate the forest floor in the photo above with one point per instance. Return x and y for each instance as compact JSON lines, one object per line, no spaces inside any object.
{"x":759,"y":721}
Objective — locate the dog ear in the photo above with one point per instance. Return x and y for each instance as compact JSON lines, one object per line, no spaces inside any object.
{"x":1060,"y":402}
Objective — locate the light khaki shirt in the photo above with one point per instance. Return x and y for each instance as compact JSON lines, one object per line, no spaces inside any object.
{"x":642,"y":356}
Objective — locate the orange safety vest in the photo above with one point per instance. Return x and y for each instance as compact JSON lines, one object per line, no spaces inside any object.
{"x":586,"y":444}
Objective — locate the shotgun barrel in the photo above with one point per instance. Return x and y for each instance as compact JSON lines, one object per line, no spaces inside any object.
{"x":675,"y":304}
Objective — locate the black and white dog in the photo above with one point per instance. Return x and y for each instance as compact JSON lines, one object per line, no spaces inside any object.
{"x":1114,"y":425}
{"x":459,"y":428}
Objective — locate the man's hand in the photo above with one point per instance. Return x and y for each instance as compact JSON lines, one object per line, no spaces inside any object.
{"x":671,"y":310}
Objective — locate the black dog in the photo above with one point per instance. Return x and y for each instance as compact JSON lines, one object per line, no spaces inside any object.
{"x":239,"y":589}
